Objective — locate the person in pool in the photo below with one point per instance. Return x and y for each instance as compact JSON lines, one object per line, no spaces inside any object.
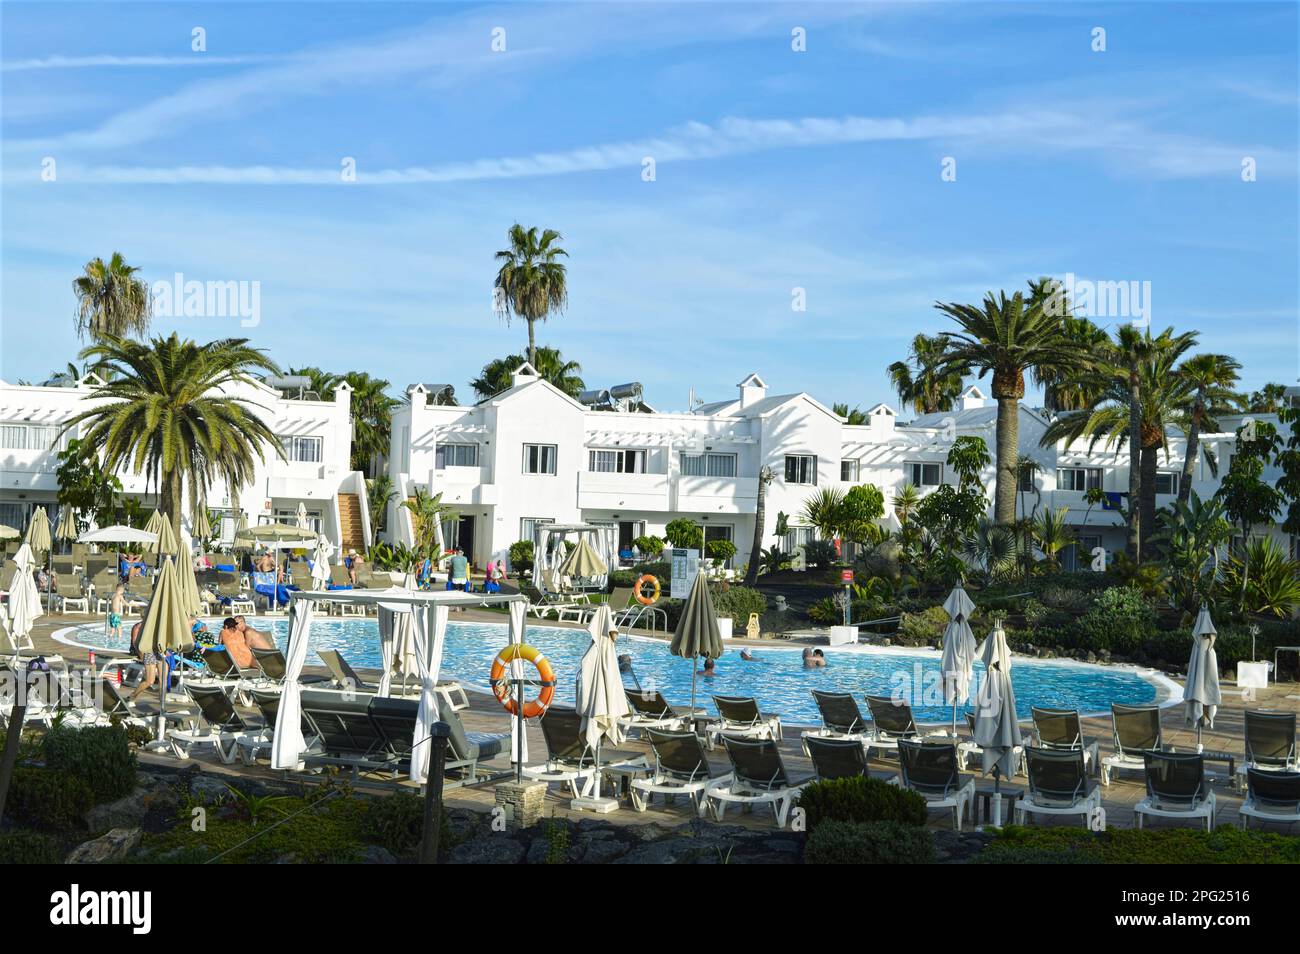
{"x":813,"y":658}
{"x":746,"y":655}
{"x":710,"y":669}
{"x":115,"y":610}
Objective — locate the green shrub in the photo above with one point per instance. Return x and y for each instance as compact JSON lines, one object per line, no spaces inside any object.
{"x":684,"y":534}
{"x":1225,"y":845}
{"x":521,"y":556}
{"x":922,"y":629}
{"x":53,"y":801}
{"x":819,"y":554}
{"x":23,"y":847}
{"x":738,"y":602}
{"x":720,"y":550}
{"x":650,"y":546}
{"x":859,"y":799}
{"x":100,"y":755}
{"x":397,"y":823}
{"x":869,"y":843}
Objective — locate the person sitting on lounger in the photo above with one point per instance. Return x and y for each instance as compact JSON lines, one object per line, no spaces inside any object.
{"x":236,"y":644}
{"x":148,"y":660}
{"x":255,"y":637}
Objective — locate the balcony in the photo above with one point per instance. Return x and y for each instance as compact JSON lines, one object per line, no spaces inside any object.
{"x":605,"y":491}
{"x":714,"y":494}
{"x":1098,"y":516}
{"x":463,"y":486}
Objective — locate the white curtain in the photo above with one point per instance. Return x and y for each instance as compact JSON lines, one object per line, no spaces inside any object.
{"x":518,"y":742}
{"x":288,"y":745}
{"x":387,"y":627}
{"x":428,"y":652}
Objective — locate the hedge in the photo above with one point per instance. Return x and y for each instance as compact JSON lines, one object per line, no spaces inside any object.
{"x":99,"y":755}
{"x":859,"y":799}
{"x":1168,"y":846}
{"x":51,"y":801}
{"x":869,"y":843}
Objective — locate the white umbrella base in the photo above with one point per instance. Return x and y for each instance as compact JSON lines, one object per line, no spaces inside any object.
{"x":594,"y":804}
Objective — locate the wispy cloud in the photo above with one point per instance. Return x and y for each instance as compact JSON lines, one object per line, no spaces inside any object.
{"x":1128,"y":146}
{"x":96,"y":62}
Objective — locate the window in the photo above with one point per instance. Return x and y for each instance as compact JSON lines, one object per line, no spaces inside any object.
{"x":539,"y":459}
{"x":798,"y":537}
{"x":849,"y":470}
{"x":455,"y":455}
{"x":708,"y":465}
{"x":1078,"y":478}
{"x":1026,"y":480}
{"x":528,"y":526}
{"x":302,"y":449}
{"x":800,"y":468}
{"x":1166,"y":483}
{"x":290,"y":517}
{"x":616,"y":461}
{"x":920,"y":474}
{"x":1078,"y":555}
{"x":37,"y":437}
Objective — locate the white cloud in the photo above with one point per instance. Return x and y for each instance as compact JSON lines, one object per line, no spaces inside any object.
{"x":96,"y":62}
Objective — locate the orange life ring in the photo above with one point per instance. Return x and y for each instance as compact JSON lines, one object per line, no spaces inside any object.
{"x":501,"y":685}
{"x":641,"y":581}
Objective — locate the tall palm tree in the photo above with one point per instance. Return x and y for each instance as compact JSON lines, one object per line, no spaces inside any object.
{"x":379,"y":494}
{"x":165,"y":413}
{"x":1212,"y":377}
{"x":532,"y":282}
{"x":924,"y":381}
{"x":1006,"y":337}
{"x":427,"y":512}
{"x":111,"y":301}
{"x":1142,"y":367}
{"x":497,"y":375}
{"x":765,"y":477}
{"x":1269,"y":399}
{"x":371,"y":412}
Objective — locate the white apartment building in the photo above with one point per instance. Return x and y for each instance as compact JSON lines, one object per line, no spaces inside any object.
{"x":315,"y":470}
{"x":532,"y":454}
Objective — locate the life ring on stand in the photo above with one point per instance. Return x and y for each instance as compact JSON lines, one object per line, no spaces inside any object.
{"x":653,"y":581}
{"x":501,"y":684}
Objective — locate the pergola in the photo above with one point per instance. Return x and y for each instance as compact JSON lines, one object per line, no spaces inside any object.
{"x":426,"y":613}
{"x":549,"y":551}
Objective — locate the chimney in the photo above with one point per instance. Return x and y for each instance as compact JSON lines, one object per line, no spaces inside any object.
{"x":973,"y":398}
{"x":523,"y":375}
{"x":752,"y":390}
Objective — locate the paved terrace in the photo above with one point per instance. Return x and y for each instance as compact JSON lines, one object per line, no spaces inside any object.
{"x":485,"y":715}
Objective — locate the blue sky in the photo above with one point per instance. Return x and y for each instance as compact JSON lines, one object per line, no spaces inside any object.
{"x":775,"y":170}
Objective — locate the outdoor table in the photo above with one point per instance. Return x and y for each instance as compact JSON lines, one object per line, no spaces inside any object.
{"x":621,"y":774}
{"x":985,"y":796}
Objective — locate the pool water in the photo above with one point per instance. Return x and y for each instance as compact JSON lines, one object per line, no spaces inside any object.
{"x":776,"y":677}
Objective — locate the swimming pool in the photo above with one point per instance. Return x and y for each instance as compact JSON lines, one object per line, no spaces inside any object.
{"x":776,"y":677}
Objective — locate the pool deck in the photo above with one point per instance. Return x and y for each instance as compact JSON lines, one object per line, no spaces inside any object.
{"x":484,"y":715}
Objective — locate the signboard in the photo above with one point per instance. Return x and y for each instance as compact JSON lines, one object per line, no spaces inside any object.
{"x":685,"y":564}
{"x":846,"y":576}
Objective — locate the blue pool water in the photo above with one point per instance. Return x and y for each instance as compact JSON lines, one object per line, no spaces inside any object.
{"x":776,"y":677}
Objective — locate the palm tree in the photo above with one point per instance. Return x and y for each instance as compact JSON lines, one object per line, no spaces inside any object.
{"x":853,"y":418}
{"x":379,"y":493}
{"x":322,"y":382}
{"x":1006,"y":337}
{"x":111,"y":301}
{"x":532,"y":282}
{"x":824,"y":510}
{"x":923,"y":380}
{"x":1211,"y":377}
{"x":765,"y":477}
{"x":165,"y":413}
{"x":1051,"y":531}
{"x":371,"y":412}
{"x":1269,"y":399}
{"x":498,"y":375}
{"x":1145,"y":367}
{"x":427,"y":512}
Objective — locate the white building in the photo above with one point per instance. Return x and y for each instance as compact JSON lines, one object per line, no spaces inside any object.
{"x":314,"y":472}
{"x":532,"y":454}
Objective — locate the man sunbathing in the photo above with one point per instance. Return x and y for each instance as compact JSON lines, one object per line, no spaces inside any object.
{"x":255,"y":637}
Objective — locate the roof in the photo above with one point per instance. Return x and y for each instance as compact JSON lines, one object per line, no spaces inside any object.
{"x":761,"y":407}
{"x":970,"y":418}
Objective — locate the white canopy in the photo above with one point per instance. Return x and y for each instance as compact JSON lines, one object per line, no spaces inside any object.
{"x":24,"y":600}
{"x":117,"y":534}
{"x":600,"y":698}
{"x":1201,"y":694}
{"x":427,"y":611}
{"x":997,"y":731}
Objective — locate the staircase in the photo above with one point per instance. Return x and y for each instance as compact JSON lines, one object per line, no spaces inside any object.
{"x":350,"y":528}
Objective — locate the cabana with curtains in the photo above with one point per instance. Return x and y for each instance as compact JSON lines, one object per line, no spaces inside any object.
{"x":550,"y":553}
{"x":419,"y":616}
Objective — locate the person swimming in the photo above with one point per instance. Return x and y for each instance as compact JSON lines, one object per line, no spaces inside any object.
{"x":709,"y":669}
{"x":746,"y":655}
{"x":813,"y":658}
